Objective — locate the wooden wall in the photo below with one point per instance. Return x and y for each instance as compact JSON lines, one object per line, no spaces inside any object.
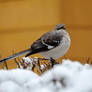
{"x":23,"y":21}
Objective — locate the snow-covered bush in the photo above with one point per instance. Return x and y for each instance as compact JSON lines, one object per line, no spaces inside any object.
{"x":66,"y":77}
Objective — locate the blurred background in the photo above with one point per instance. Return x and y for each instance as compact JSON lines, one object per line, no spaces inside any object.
{"x":24,"y":21}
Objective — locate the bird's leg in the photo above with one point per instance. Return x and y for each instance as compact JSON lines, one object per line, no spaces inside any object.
{"x":53,"y":62}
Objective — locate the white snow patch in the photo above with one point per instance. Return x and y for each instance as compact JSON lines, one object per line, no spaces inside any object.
{"x":27,"y":59}
{"x":27,"y":62}
{"x":66,"y":77}
{"x":36,"y":59}
{"x":43,"y":67}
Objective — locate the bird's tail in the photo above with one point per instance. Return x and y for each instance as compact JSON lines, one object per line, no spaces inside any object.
{"x":16,"y":55}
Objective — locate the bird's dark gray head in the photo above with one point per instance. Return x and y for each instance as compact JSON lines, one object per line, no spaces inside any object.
{"x":60,"y":26}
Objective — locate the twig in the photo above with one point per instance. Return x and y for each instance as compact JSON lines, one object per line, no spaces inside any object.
{"x":33,"y":67}
{"x":6,"y":65}
{"x":43,"y":59}
{"x":2,"y":66}
{"x":1,"y":63}
{"x":37,"y":64}
{"x":87,"y":61}
{"x":18,"y":65}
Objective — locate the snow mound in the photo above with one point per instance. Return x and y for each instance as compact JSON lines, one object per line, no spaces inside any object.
{"x":66,"y":77}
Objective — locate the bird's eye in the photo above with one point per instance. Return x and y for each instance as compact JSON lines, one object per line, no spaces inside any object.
{"x":60,"y":28}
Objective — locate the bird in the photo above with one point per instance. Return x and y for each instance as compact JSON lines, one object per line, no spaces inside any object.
{"x":51,"y":45}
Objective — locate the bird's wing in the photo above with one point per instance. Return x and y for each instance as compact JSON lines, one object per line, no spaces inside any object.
{"x":52,"y":39}
{"x":47,"y":42}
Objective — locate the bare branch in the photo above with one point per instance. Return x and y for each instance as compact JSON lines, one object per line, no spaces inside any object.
{"x":37,"y":64}
{"x":6,"y":65}
{"x":2,"y":66}
{"x":18,"y":65}
{"x":88,"y":60}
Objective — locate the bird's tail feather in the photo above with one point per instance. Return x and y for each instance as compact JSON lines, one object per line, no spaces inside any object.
{"x":16,"y":55}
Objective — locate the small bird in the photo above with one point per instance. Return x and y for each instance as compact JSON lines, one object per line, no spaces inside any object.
{"x":52,"y":45}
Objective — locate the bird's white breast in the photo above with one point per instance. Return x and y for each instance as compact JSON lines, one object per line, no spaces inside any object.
{"x":58,"y":51}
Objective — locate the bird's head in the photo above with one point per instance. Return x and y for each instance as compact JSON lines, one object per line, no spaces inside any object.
{"x":60,"y":26}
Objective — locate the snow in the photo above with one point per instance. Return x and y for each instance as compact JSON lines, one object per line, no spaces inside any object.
{"x":35,"y":59}
{"x":27,"y":61}
{"x":66,"y":77}
{"x":43,"y":67}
